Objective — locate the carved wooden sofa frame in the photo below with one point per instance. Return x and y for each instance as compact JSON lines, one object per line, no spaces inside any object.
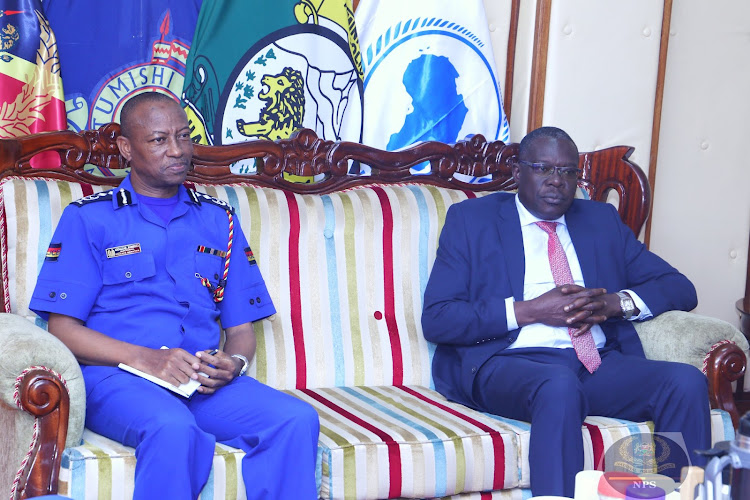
{"x":43,"y":395}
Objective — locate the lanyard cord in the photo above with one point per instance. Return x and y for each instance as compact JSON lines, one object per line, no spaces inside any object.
{"x":218,"y":291}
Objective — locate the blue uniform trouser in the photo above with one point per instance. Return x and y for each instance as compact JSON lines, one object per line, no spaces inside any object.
{"x":551,"y":389}
{"x":174,"y":438}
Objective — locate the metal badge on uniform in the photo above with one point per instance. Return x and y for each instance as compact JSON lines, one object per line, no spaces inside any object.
{"x":250,"y":257}
{"x":53,"y":252}
{"x":212,"y":251}
{"x":128,"y":249}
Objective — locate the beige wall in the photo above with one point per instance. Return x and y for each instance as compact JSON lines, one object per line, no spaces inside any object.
{"x":701,"y":214}
{"x":601,"y":85}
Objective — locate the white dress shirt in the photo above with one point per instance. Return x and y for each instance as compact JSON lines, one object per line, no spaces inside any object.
{"x":538,"y":280}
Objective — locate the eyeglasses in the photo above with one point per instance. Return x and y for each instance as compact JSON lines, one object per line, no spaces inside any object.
{"x":543,"y":170}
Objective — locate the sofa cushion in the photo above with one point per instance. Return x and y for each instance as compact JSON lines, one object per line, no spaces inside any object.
{"x":103,"y":469}
{"x":376,"y":442}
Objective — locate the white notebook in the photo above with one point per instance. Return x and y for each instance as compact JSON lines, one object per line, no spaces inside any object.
{"x":186,"y":390}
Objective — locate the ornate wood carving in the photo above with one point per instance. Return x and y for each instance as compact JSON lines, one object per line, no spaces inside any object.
{"x":305,"y":154}
{"x":44,"y":396}
{"x":726,"y":364}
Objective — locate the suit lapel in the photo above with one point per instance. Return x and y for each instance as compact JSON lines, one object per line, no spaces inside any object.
{"x":511,"y":241}
{"x":583,"y":234}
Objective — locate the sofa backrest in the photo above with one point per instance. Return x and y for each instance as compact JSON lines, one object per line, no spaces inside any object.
{"x":345,"y":266}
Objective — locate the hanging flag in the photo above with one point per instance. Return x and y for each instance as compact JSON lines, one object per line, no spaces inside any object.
{"x":114,"y":50}
{"x":31,"y":92}
{"x":429,"y":73}
{"x":265,"y":69}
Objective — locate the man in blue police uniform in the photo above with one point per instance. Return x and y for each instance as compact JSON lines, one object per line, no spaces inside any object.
{"x":516,"y":341}
{"x":140,"y":276}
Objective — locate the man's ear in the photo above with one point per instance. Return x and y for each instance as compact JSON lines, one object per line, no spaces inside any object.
{"x":515,"y":170}
{"x":124,"y":145}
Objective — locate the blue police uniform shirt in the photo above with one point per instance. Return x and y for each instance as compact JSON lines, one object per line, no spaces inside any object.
{"x":129,"y":274}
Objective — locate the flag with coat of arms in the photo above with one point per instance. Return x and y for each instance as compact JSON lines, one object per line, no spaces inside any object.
{"x":261,"y":70}
{"x":31,"y":91}
{"x":111,"y":51}
{"x":125,"y":48}
{"x":429,"y":73}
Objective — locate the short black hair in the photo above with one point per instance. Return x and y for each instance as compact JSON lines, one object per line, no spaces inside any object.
{"x":132,"y":104}
{"x":524,"y":149}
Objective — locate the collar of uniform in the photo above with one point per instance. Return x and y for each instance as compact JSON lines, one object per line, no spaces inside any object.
{"x":527,"y":218}
{"x":124,"y":195}
{"x":192,"y":196}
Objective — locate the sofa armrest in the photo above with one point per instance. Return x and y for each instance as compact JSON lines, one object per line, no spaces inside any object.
{"x":42,"y":406}
{"x":710,"y":344}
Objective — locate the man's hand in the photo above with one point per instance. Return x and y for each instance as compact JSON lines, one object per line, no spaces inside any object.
{"x":176,"y":366}
{"x":605,"y":306}
{"x":221,"y":369}
{"x":567,"y":305}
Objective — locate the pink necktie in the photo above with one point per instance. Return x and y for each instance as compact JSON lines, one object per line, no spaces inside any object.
{"x":558,"y":262}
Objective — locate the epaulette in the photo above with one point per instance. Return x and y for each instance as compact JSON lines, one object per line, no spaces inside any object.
{"x":197,"y":198}
{"x":104,"y":195}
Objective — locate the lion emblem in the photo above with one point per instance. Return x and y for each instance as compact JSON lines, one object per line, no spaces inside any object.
{"x":284,"y":107}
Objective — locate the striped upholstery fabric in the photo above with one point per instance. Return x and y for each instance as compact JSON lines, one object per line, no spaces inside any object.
{"x":347,"y":272}
{"x":376,"y":442}
{"x":30,"y":210}
{"x":104,"y":469}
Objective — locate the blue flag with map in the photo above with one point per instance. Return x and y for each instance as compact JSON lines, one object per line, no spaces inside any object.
{"x":429,"y":73}
{"x":261,"y":70}
{"x":110,"y":51}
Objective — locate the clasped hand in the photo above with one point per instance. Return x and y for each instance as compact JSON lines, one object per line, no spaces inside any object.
{"x":177,"y":366}
{"x":575,"y":307}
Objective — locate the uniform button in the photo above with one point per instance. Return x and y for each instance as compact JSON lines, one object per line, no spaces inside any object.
{"x":128,"y":274}
{"x":63,"y":295}
{"x":216,"y":276}
{"x":473,"y":369}
{"x":52,"y":295}
{"x":257,"y":299}
{"x":252,"y":301}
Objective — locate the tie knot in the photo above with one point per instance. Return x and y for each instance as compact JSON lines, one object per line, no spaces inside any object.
{"x":547,"y":227}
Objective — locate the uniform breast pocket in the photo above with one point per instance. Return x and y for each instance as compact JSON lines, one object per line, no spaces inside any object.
{"x":128,"y":268}
{"x":209,"y":266}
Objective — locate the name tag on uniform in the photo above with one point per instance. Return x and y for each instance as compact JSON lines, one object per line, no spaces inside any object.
{"x":128,"y":249}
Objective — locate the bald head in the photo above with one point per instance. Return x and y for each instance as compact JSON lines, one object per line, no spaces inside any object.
{"x":128,"y":112}
{"x":540,"y":135}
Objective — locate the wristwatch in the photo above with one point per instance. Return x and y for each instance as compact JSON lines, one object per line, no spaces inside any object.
{"x":245,"y":363}
{"x":627,"y":305}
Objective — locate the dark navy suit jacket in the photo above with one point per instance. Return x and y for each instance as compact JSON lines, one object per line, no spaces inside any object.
{"x":480,"y":262}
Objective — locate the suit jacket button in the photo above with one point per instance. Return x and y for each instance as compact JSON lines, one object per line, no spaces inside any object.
{"x":473,"y":369}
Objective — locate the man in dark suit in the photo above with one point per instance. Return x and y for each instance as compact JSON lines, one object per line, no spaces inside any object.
{"x":530,"y":303}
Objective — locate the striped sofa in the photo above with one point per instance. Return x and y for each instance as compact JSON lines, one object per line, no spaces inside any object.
{"x":346,"y":261}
